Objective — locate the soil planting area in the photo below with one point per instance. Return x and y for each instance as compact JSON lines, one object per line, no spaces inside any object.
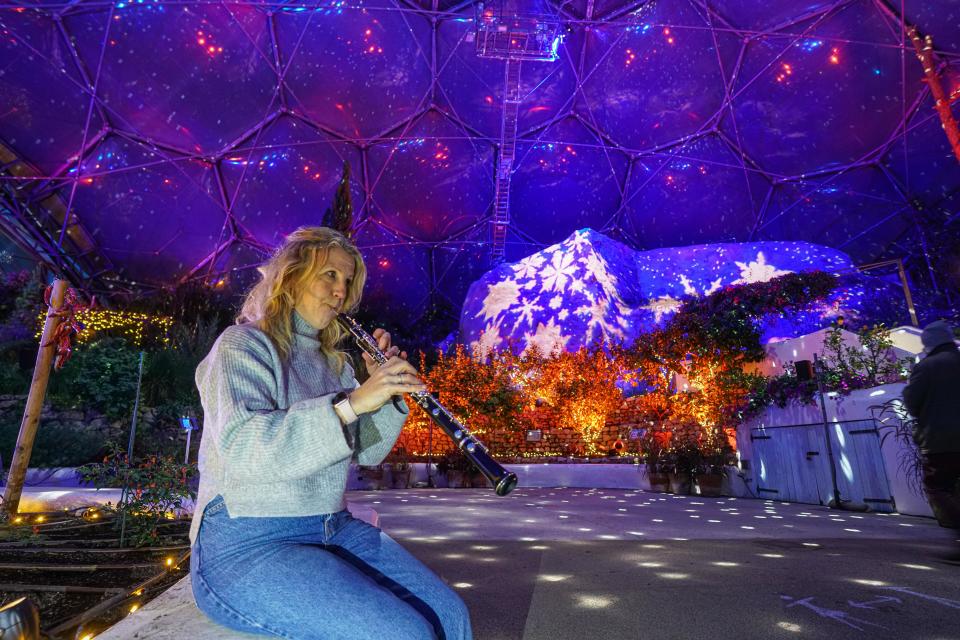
{"x":74,"y":569}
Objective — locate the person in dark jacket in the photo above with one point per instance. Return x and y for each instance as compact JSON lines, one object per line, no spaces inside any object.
{"x":933,"y":397}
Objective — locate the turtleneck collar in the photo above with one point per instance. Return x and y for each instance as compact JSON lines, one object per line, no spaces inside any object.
{"x":303,"y":328}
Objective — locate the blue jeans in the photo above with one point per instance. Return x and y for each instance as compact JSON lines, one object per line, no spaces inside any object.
{"x":327,"y":576}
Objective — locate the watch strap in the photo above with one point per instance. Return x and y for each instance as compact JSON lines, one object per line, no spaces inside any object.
{"x":341,"y":402}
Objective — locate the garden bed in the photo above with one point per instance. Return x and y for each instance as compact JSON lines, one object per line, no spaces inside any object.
{"x":76,"y":573}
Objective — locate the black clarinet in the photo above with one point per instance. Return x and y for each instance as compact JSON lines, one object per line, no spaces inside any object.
{"x":503,"y":481}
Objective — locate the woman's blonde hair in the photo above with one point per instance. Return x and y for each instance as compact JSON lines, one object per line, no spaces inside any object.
{"x":270,"y":303}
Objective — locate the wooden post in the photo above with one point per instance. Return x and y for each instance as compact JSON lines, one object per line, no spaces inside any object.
{"x":924,"y":48}
{"x":31,"y":413}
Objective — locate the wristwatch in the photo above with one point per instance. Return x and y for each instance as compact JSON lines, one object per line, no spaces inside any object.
{"x":341,"y":403}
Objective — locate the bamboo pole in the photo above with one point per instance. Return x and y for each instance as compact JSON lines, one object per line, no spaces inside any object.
{"x":31,"y":413}
{"x":924,"y":49}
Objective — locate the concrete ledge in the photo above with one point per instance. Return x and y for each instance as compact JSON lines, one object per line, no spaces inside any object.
{"x":599,"y":475}
{"x":57,"y":498}
{"x":173,"y":615}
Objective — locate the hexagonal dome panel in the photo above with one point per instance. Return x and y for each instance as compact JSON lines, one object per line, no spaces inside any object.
{"x":223,"y":57}
{"x":187,"y":138}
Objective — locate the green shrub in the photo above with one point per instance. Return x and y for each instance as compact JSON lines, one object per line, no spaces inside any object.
{"x":101,"y":375}
{"x":168,"y":376}
{"x":13,"y":379}
{"x":55,"y":445}
{"x":157,"y":488}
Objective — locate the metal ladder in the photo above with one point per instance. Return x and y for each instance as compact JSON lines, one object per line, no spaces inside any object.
{"x":507,"y":154}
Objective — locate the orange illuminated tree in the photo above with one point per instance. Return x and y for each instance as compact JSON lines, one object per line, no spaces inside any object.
{"x":481,"y":394}
{"x":581,"y":385}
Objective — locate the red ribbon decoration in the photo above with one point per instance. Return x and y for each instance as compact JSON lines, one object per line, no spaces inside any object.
{"x":67,"y":327}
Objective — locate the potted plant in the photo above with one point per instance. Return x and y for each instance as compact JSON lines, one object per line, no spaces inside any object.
{"x":685,"y":461}
{"x":714,"y":451}
{"x":476,"y":479}
{"x":710,"y":484}
{"x":372,"y":475}
{"x":400,"y":469}
{"x":453,"y":466}
{"x":656,"y":459}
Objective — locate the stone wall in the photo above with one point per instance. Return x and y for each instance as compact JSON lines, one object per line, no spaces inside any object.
{"x":557,"y":439}
{"x":67,"y":437}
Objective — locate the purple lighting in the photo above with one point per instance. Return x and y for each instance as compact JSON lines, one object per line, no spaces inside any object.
{"x":187,"y":138}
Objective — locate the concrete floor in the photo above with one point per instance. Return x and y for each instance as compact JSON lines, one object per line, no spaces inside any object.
{"x":552,"y":564}
{"x":549,"y":564}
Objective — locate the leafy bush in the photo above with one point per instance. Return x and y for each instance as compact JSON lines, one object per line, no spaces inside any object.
{"x":101,"y":375}
{"x":55,"y":446}
{"x":896,"y":422}
{"x":21,"y":301}
{"x":872,"y":363}
{"x":782,"y":390}
{"x":168,"y":377}
{"x":13,"y":379}
{"x":156,"y":490}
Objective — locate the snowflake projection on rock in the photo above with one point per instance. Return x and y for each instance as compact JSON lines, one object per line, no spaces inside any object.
{"x":591,"y":288}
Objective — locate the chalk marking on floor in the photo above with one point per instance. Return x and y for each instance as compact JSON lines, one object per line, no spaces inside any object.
{"x":831,"y":614}
{"x":868,"y":604}
{"x":947,"y":602}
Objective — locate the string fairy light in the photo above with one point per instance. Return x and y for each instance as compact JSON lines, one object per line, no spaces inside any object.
{"x":135,"y":326}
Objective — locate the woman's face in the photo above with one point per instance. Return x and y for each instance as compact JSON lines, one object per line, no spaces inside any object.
{"x":322,"y":296}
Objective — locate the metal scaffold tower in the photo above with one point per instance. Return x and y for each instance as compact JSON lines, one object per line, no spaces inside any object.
{"x":512,"y":35}
{"x":508,"y":148}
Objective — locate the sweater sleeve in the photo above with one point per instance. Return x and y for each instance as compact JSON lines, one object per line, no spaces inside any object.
{"x":916,"y":389}
{"x":253,"y":438}
{"x":376,"y":432}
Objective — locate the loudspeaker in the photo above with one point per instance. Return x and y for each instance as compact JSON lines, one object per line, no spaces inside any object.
{"x":804,"y":370}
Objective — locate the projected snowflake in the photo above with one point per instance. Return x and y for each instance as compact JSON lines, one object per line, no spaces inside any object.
{"x":610,"y":293}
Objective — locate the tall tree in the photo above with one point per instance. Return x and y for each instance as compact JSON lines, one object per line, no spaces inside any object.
{"x":340,"y":215}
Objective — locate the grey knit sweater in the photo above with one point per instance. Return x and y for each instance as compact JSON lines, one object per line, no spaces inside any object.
{"x":272,"y":444}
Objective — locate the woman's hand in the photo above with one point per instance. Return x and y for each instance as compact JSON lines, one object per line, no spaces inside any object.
{"x":383,"y":342}
{"x":394,"y":377}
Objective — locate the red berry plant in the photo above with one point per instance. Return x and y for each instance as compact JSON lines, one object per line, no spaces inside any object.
{"x":156,"y":489}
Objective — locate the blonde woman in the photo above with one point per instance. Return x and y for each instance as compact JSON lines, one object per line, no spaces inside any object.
{"x":274,"y":550}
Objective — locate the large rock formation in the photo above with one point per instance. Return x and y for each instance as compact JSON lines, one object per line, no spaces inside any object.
{"x":590,"y":287}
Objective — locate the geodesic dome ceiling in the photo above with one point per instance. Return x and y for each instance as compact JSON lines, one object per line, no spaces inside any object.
{"x":147,"y":143}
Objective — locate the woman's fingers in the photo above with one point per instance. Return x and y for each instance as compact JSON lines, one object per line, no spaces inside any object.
{"x":401,"y":376}
{"x":396,"y":364}
{"x":405,"y":382}
{"x":394,"y":377}
{"x":383,"y":339}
